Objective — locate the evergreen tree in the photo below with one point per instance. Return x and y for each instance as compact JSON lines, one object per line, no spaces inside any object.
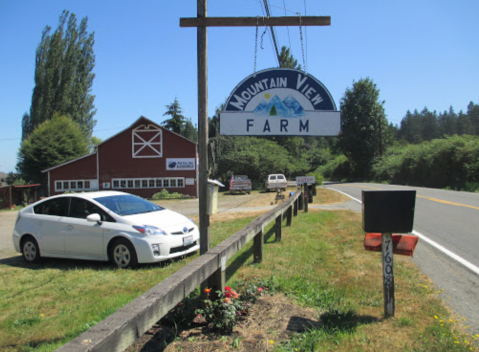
{"x":177,"y":121}
{"x":53,"y":142}
{"x":286,"y":60}
{"x":63,"y":76}
{"x":365,"y":132}
{"x":473,"y":113}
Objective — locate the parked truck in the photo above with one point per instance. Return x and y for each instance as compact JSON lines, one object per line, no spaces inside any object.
{"x":240,"y":183}
{"x":276,"y":181}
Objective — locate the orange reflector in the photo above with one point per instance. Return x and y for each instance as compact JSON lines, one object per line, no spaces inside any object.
{"x":402,"y":244}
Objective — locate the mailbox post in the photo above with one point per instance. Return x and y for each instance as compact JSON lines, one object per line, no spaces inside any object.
{"x":386,"y":212}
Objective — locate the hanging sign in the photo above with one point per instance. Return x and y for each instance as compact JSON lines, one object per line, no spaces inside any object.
{"x":280,"y":102}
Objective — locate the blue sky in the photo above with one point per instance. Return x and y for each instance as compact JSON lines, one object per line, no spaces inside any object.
{"x":419,"y":53}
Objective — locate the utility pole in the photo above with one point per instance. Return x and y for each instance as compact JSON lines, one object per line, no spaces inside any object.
{"x":202,"y":52}
{"x":201,"y":22}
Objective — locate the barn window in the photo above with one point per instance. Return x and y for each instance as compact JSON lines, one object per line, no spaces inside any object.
{"x":80,"y":184}
{"x":130,"y":183}
{"x":151,"y":183}
{"x":166,"y":183}
{"x":173,"y":182}
{"x":87,"y":184}
{"x":116,"y":184}
{"x":123,"y":183}
{"x":66,"y":185}
{"x":181,"y":182}
{"x":73,"y":185}
{"x":137,"y":183}
{"x":158,"y":182}
{"x":58,"y":185}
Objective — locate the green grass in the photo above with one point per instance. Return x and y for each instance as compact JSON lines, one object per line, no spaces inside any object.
{"x":319,"y":263}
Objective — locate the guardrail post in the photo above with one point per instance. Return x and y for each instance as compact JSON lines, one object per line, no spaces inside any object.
{"x":301,"y":201}
{"x":295,"y":211}
{"x":289,"y":216}
{"x":279,"y":227}
{"x":258,"y":246}
{"x":306,"y":197}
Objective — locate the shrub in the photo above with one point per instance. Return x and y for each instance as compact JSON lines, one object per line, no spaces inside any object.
{"x":164,"y":194}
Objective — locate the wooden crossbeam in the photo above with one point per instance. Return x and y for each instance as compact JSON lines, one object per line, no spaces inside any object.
{"x":255,"y":21}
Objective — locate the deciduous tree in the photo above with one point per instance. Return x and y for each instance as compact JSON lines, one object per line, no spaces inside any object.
{"x":364,"y":126}
{"x":64,"y":76}
{"x":53,"y":142}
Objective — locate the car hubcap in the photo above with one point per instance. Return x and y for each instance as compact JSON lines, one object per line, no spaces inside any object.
{"x":29,"y":251}
{"x":121,"y":255}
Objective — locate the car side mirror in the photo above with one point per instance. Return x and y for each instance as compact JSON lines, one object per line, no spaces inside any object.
{"x":94,"y":218}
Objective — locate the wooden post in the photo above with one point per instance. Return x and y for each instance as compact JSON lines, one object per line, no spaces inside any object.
{"x":300,"y":200}
{"x":279,"y":228}
{"x":295,"y":212}
{"x":202,"y":52}
{"x":289,"y":216}
{"x":388,"y":274}
{"x":306,"y":199}
{"x":217,"y":281}
{"x":258,"y":246}
{"x":310,"y":194}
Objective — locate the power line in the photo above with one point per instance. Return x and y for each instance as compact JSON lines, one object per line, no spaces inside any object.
{"x":272,"y":30}
{"x":289,"y":39}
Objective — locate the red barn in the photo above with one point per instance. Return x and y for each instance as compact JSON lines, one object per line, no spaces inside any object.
{"x":142,"y":159}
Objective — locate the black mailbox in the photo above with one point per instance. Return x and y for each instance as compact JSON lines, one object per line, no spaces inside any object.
{"x":388,"y":211}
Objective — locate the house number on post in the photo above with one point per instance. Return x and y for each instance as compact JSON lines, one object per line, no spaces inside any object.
{"x":388,"y":274}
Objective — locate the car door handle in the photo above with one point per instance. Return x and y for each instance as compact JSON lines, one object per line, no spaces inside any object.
{"x":69,"y":227}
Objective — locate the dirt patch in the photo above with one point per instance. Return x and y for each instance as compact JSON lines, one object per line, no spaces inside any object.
{"x":271,"y":320}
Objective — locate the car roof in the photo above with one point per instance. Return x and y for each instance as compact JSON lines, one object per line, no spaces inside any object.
{"x":90,"y":195}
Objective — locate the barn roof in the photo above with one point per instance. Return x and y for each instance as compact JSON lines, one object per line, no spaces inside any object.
{"x":146,"y":120}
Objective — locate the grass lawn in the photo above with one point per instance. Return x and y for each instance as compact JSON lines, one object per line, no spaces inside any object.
{"x":319,"y":263}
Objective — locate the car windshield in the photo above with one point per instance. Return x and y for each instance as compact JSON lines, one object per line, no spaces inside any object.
{"x":127,"y":204}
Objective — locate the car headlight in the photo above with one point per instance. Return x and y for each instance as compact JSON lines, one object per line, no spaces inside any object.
{"x":150,"y":230}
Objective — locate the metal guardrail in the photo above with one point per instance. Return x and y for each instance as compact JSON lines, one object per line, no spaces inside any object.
{"x":118,"y":331}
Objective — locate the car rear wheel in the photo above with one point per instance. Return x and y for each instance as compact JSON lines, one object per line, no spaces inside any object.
{"x":30,"y":250}
{"x":123,"y":254}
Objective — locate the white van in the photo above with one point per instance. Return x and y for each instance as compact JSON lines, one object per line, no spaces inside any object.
{"x":276,"y":181}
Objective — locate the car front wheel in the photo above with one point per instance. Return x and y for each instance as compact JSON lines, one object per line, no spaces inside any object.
{"x":123,"y":254}
{"x":30,"y":250}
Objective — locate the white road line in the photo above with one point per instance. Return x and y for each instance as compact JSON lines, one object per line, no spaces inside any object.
{"x":447,"y":252}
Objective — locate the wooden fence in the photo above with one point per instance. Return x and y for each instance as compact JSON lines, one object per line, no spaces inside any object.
{"x":118,"y":331}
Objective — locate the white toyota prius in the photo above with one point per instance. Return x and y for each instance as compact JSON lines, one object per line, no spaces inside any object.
{"x":106,"y":226}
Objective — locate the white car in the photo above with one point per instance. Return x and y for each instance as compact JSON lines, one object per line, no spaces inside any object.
{"x":105,"y":225}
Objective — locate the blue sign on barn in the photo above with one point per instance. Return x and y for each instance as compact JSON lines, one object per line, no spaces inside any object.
{"x":280,"y":102}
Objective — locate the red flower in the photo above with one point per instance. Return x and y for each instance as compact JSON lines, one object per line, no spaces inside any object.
{"x":228,"y":294}
{"x":260,"y":289}
{"x":227,"y":288}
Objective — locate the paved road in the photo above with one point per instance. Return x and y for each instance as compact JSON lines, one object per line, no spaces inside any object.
{"x":451,"y":220}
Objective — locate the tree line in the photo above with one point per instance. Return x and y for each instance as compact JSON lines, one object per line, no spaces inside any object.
{"x":60,"y":124}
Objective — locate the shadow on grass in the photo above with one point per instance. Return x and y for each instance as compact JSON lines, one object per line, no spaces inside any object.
{"x":344,"y":321}
{"x":74,"y":264}
{"x":241,"y":259}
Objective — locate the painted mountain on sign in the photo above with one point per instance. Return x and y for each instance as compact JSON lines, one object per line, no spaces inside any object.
{"x":289,"y":107}
{"x":294,"y":107}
